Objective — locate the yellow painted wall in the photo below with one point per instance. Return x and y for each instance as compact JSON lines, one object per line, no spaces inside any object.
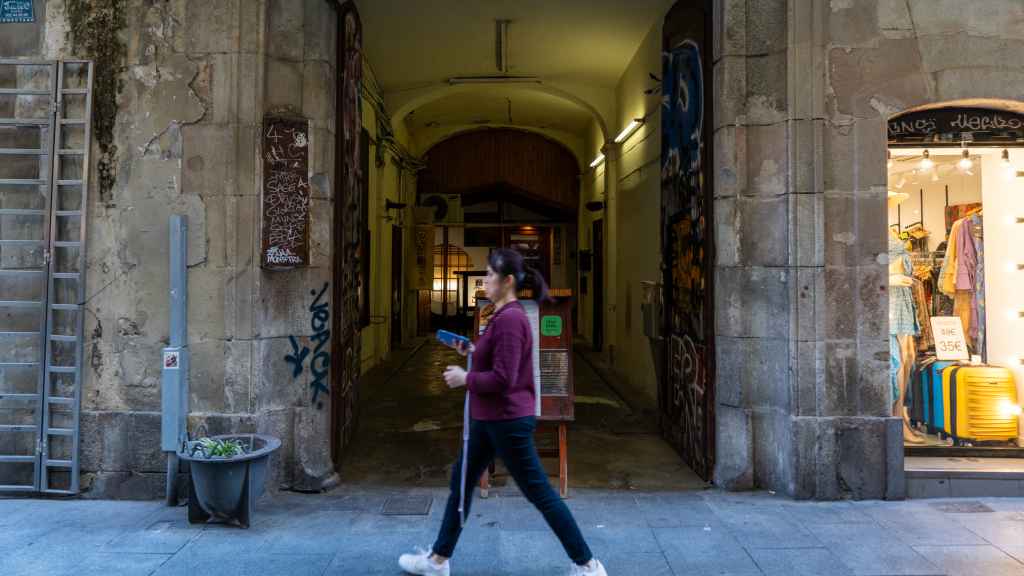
{"x":591,"y":188}
{"x":384,"y":184}
{"x":631,"y":176}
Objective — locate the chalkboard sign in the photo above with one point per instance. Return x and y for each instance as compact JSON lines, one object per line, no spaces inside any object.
{"x":16,"y":11}
{"x":950,"y":124}
{"x":285,"y":210}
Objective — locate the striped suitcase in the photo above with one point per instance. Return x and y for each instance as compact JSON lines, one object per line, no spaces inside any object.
{"x":980,"y":404}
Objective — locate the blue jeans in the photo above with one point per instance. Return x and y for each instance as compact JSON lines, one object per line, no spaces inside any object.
{"x":512,"y":440}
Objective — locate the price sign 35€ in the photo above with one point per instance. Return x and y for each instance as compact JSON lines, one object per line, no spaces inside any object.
{"x":949,"y":338}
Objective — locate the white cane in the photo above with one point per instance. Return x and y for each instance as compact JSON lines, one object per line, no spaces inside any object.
{"x":465,"y":448}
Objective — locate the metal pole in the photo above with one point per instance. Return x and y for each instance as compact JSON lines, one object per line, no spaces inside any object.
{"x":175,"y":362}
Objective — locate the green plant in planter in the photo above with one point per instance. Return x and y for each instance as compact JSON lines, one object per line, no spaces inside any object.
{"x":212,"y":448}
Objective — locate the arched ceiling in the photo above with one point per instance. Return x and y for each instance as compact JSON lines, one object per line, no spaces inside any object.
{"x":578,"y":48}
{"x":495,"y":106}
{"x":501,"y":105}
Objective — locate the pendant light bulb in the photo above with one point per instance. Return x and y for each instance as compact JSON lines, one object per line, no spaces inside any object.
{"x":926,"y":162}
{"x":965,"y":162}
{"x":1008,"y":171}
{"x":888,"y":156}
{"x":1006,"y":157}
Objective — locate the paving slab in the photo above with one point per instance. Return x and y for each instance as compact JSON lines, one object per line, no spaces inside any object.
{"x":633,"y":532}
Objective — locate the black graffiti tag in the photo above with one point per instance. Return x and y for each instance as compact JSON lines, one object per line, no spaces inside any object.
{"x":320,"y":363}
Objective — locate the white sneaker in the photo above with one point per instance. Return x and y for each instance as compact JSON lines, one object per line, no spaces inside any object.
{"x":421,"y":564}
{"x":593,"y":568}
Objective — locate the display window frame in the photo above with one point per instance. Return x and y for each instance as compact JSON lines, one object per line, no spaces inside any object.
{"x":939,"y":158}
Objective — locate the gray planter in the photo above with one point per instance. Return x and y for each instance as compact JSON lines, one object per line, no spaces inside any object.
{"x":227,"y":488}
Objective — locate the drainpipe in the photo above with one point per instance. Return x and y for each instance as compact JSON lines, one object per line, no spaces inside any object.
{"x":174,"y":376}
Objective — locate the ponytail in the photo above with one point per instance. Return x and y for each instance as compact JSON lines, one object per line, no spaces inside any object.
{"x":535,"y":282}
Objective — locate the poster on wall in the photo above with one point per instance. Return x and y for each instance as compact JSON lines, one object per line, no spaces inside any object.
{"x":530,"y":246}
{"x":423,"y":272}
{"x":285,"y":192}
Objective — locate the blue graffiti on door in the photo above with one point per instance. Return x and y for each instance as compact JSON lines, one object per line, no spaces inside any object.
{"x":320,"y":363}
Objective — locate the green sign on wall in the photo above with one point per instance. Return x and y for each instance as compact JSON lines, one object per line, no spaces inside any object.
{"x":551,"y":326}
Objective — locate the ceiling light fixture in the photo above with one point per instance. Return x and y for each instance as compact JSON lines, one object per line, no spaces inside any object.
{"x":597,"y":161}
{"x":926,"y":162}
{"x":629,"y":129}
{"x":501,"y":45}
{"x":494,"y":80}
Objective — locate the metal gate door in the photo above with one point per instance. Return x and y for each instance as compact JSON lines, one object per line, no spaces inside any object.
{"x":44,"y":156}
{"x":686,"y":393}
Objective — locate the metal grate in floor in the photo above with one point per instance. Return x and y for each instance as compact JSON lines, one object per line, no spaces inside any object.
{"x":407,"y":506}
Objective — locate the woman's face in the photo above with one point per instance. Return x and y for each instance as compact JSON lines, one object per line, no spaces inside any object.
{"x":495,"y":285}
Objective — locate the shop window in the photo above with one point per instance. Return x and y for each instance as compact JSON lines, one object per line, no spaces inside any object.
{"x":446,"y":287}
{"x":956,"y":309}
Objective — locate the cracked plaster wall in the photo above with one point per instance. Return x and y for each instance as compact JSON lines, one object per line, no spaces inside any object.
{"x":198,"y":78}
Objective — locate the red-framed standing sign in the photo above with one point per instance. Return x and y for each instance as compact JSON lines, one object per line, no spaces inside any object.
{"x":557,"y":378}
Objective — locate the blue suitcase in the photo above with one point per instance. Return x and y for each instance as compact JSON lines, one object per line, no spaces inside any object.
{"x":932,"y":395}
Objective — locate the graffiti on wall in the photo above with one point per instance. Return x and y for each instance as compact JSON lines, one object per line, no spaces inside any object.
{"x":320,"y":362}
{"x":286,"y":195}
{"x":686,"y":392}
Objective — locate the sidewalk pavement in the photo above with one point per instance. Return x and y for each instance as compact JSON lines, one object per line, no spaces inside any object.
{"x":633,"y":533}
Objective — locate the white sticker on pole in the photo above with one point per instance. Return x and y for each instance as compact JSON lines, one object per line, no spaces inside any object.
{"x":171,"y":360}
{"x":950,"y":343}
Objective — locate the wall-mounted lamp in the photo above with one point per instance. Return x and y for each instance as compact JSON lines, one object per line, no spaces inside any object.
{"x":597,"y":161}
{"x":633,"y":125}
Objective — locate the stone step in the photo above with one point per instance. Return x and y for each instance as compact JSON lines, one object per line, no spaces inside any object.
{"x":964,"y":477}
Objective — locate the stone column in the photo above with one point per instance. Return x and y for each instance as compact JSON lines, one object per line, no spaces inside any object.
{"x":801,"y":309}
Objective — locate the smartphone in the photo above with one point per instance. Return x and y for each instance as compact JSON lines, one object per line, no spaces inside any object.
{"x":451,"y":339}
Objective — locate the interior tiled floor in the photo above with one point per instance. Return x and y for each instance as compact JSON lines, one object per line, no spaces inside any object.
{"x":410,"y":432}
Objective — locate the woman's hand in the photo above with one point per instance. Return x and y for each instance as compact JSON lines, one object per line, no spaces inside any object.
{"x":455,"y":377}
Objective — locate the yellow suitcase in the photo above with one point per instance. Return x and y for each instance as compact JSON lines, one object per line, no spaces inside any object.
{"x":979,"y":404}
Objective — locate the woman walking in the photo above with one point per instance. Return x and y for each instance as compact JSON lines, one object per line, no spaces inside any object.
{"x":502,"y":410}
